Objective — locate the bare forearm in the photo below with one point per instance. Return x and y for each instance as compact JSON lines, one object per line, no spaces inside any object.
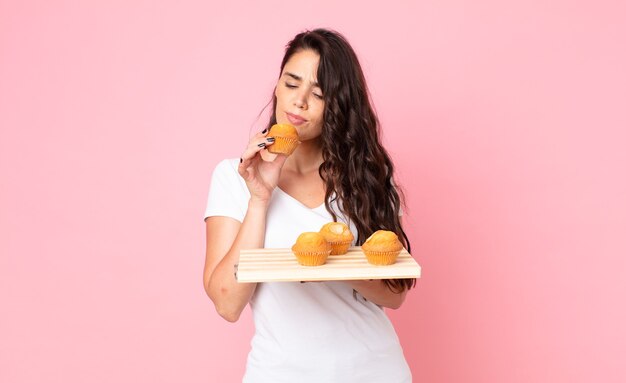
{"x":229,"y":296}
{"x":377,"y":291}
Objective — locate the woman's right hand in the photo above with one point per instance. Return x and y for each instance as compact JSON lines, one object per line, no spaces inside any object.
{"x":261,"y":176}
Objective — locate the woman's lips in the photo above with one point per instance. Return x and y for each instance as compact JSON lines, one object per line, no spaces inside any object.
{"x":295,"y":120}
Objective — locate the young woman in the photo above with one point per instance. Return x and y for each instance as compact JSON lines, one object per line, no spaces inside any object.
{"x":310,"y":332}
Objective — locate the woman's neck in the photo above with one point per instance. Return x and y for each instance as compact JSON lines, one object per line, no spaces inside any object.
{"x":306,"y":158}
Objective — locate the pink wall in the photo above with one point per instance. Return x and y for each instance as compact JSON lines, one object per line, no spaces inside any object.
{"x":506,"y":122}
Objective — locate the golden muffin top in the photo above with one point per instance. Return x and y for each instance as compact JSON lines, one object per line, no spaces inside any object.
{"x":283,"y":130}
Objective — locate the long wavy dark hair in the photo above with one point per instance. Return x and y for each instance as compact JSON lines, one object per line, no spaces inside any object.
{"x":357,"y":170}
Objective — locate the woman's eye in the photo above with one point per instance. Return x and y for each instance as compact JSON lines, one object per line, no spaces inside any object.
{"x":288,"y":85}
{"x":318,"y":96}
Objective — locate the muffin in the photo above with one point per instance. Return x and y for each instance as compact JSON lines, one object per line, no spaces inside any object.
{"x":285,"y":139}
{"x":311,"y":249}
{"x":382,"y":248}
{"x":339,"y":236}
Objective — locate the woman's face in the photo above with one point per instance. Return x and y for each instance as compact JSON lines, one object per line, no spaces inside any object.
{"x":299,"y":99}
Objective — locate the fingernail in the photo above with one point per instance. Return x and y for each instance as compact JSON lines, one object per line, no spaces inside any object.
{"x":270,"y":139}
{"x":264,"y":131}
{"x":261,"y":145}
{"x":240,"y":160}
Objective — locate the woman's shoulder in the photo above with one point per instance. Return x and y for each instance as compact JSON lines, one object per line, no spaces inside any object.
{"x":226,"y":173}
{"x":228,"y":194}
{"x":227,"y":167}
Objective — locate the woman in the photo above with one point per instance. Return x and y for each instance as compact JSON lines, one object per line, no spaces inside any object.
{"x":318,"y":332}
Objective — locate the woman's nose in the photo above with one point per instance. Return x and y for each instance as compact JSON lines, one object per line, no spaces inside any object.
{"x":300,"y":101}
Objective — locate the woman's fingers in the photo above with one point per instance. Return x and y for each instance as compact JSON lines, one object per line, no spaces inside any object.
{"x":250,"y":155}
{"x":255,"y":145}
{"x":262,"y":137}
{"x":262,"y":133}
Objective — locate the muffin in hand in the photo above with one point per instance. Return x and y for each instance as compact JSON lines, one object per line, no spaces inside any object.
{"x":339,"y":236}
{"x":311,"y":249}
{"x":382,"y":248}
{"x":285,"y":139}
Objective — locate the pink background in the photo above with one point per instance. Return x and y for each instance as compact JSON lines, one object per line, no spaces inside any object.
{"x":506,"y":121}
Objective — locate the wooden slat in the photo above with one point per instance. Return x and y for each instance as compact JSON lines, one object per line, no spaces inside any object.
{"x":280,"y":265}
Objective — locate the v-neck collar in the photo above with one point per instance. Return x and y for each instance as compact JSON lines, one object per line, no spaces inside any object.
{"x":322,"y":206}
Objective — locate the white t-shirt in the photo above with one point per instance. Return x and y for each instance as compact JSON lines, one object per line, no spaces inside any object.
{"x":307,"y":332}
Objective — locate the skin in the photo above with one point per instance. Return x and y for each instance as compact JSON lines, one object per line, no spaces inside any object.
{"x":297,"y":93}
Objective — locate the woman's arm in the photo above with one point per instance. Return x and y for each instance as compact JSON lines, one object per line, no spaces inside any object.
{"x":225,"y":237}
{"x":377,"y":291}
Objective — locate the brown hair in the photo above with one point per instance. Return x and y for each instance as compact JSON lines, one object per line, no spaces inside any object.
{"x":357,"y":170}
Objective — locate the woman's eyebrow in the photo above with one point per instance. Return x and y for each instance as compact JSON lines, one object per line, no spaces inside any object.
{"x":294,"y":76}
{"x":298,"y":78}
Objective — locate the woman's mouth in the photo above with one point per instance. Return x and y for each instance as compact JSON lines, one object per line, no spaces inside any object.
{"x":295,"y":120}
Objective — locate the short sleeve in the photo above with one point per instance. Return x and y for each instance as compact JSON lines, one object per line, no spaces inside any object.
{"x":228,"y":195}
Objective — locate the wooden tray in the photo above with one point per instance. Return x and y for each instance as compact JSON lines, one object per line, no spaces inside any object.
{"x":280,"y":265}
